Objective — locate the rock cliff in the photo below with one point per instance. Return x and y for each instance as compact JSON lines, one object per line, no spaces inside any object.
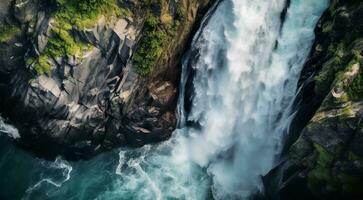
{"x":82,"y":77}
{"x":323,"y":158}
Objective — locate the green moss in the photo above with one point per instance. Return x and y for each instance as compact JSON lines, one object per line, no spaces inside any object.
{"x":347,"y":111}
{"x":7,"y":32}
{"x":355,"y":89}
{"x":30,"y":61}
{"x":85,"y":13}
{"x":325,"y":77}
{"x":62,"y":43}
{"x":319,"y":47}
{"x":333,"y":7}
{"x":181,"y":13}
{"x":344,"y":98}
{"x":327,"y":27}
{"x":320,"y":175}
{"x":79,"y":14}
{"x":72,"y":15}
{"x":42,"y":65}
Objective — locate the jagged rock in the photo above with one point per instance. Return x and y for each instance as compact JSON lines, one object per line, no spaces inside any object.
{"x":95,"y":101}
{"x":322,"y":158}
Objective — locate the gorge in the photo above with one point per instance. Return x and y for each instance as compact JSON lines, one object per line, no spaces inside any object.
{"x":266,"y":103}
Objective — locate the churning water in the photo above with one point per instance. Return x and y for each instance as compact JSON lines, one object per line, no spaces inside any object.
{"x":246,"y":60}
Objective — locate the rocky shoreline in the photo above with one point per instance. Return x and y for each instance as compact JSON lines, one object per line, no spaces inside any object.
{"x":95,"y":101}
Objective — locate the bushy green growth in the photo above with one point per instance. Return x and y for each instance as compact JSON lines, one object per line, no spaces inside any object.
{"x":42,"y":65}
{"x":155,"y":38}
{"x":7,"y":32}
{"x":70,"y":15}
{"x":151,"y":46}
{"x":79,"y":15}
{"x":64,"y":44}
{"x":85,"y":13}
{"x":181,"y":13}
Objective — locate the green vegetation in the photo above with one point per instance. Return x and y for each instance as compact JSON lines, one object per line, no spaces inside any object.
{"x":73,"y":15}
{"x":7,"y":32}
{"x":158,"y":31}
{"x":85,"y":13}
{"x":333,"y":7}
{"x":64,"y":44}
{"x":151,"y":45}
{"x":42,"y":65}
{"x":327,"y":27}
{"x":355,"y":90}
{"x":347,"y":111}
{"x":320,"y":176}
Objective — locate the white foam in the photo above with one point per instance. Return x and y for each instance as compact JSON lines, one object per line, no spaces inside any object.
{"x":58,"y":164}
{"x":244,"y":89}
{"x":9,"y":130}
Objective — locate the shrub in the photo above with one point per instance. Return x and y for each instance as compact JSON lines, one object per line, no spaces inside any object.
{"x":7,"y":32}
{"x":42,"y":65}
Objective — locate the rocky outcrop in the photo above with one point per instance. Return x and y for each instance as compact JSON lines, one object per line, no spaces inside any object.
{"x":324,"y":155}
{"x":94,"y":100}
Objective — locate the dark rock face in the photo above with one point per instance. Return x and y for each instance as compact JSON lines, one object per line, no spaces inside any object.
{"x":96,"y":103}
{"x":323,"y":157}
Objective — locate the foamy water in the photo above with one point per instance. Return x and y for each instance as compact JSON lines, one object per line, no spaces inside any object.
{"x":245,"y":81}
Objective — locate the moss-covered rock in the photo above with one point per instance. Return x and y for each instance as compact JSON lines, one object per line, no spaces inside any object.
{"x":72,"y":79}
{"x":8,"y":32}
{"x":323,"y":156}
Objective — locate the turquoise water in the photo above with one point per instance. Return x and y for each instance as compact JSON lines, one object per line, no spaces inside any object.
{"x":24,"y":176}
{"x":245,"y":81}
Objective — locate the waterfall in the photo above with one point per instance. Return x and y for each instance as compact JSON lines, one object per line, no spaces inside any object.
{"x":245,"y":81}
{"x":243,"y":68}
{"x":238,"y":82}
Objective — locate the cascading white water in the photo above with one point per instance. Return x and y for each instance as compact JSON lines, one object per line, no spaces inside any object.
{"x":245,"y":82}
{"x":245,"y":79}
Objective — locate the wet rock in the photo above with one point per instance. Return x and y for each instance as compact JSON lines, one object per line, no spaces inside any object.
{"x":322,"y":158}
{"x":95,"y":101}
